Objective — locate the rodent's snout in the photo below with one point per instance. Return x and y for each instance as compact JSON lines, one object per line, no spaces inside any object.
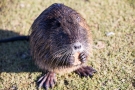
{"x":77,"y":47}
{"x":79,"y":56}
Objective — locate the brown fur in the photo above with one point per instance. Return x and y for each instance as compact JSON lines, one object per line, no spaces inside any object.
{"x":45,"y":39}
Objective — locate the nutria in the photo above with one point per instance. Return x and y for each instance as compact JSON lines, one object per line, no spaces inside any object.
{"x":60,"y":43}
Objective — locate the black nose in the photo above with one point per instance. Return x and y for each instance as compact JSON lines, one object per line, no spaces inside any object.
{"x":77,"y":47}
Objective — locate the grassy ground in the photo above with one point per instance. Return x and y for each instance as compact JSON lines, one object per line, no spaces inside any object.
{"x":113,"y":56}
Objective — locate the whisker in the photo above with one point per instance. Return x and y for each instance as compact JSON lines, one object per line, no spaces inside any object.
{"x":56,"y":54}
{"x":65,"y":58}
{"x":62,"y":57}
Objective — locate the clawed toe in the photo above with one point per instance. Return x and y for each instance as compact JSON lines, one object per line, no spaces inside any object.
{"x":47,"y":81}
{"x":85,"y":71}
{"x":82,"y":57}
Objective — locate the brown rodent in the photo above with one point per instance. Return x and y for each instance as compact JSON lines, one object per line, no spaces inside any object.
{"x":60,"y":42}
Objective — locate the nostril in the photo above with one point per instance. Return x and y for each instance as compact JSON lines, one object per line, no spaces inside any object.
{"x":77,"y":47}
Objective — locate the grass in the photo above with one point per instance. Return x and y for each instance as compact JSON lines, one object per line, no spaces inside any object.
{"x":113,"y":56}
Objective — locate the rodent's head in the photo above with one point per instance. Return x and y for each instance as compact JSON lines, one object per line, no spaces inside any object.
{"x":66,"y":40}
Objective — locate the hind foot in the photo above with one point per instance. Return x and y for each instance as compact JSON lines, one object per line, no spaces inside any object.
{"x":85,"y":71}
{"x":47,"y":81}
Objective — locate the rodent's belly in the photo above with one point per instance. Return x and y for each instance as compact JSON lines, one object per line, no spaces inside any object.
{"x":64,"y":70}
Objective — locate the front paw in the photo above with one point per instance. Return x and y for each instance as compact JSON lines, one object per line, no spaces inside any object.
{"x":82,"y":57}
{"x":85,"y":71}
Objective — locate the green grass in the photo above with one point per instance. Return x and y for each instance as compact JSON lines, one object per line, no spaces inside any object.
{"x":115,"y":61}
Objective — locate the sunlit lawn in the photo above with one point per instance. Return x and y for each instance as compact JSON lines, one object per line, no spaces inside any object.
{"x":113,"y":55}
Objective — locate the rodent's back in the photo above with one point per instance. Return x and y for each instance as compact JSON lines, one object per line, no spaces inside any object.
{"x":56,"y":29}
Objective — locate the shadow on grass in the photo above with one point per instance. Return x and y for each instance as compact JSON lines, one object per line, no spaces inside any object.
{"x":15,"y":56}
{"x":133,"y":83}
